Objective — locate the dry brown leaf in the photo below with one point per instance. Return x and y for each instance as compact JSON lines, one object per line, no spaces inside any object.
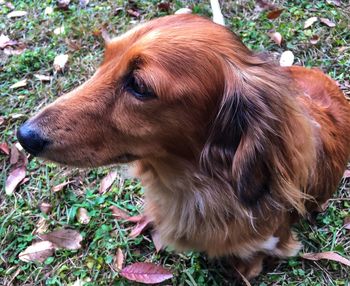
{"x":147,"y":273}
{"x":14,"y":155}
{"x":64,"y":238}
{"x":60,"y":62}
{"x":164,"y":6}
{"x":287,"y":59}
{"x":314,"y":39}
{"x":329,"y":255}
{"x":276,"y":37}
{"x":142,"y":225}
{"x":14,"y":51}
{"x":60,"y":187}
{"x":63,"y":4}
{"x":14,"y":178}
{"x":15,"y":14}
{"x":118,"y":213}
{"x":38,"y":251}
{"x":347,"y":222}
{"x":5,"y":41}
{"x":133,"y":13}
{"x":309,"y":22}
{"x":5,"y":148}
{"x":19,"y":84}
{"x":83,"y":216}
{"x":107,"y":182}
{"x":45,"y":207}
{"x":43,"y":77}
{"x":158,"y":244}
{"x":183,"y":11}
{"x":42,"y":226}
{"x":263,"y":5}
{"x":119,"y":260}
{"x":274,"y":14}
{"x":327,"y":22}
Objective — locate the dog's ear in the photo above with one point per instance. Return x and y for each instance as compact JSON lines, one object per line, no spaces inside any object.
{"x":259,"y":141}
{"x":236,"y":150}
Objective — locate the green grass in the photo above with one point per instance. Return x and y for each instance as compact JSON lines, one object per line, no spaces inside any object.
{"x":19,"y":213}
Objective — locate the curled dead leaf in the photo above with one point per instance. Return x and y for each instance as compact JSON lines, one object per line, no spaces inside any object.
{"x":183,"y":11}
{"x":147,"y":273}
{"x":107,"y":182}
{"x":274,"y":14}
{"x":60,"y":62}
{"x":38,"y":251}
{"x":45,"y":207}
{"x":314,"y":39}
{"x":142,"y":224}
{"x":64,"y":238}
{"x":287,"y":59}
{"x":329,"y":255}
{"x":263,"y":5}
{"x":83,"y":216}
{"x":60,"y":187}
{"x":118,"y":213}
{"x":15,"y":177}
{"x":15,"y":14}
{"x":275,"y":36}
{"x":309,"y":22}
{"x":119,"y":260}
{"x":5,"y":41}
{"x":327,"y":22}
{"x":18,"y":84}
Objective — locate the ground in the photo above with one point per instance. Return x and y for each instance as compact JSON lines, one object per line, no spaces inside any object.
{"x":19,"y":213}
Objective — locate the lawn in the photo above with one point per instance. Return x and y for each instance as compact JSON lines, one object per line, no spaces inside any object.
{"x":44,"y":33}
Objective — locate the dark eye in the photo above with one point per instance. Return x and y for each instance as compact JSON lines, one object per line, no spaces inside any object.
{"x":139,"y":89}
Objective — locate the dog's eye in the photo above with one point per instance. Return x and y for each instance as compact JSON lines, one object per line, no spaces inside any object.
{"x":139,"y":89}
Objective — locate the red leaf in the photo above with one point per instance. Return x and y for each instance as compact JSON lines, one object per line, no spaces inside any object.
{"x":140,"y":227}
{"x":5,"y":148}
{"x":14,"y":178}
{"x":147,"y":273}
{"x":274,"y":14}
{"x":330,"y":255}
{"x":118,"y":213}
{"x":107,"y":182}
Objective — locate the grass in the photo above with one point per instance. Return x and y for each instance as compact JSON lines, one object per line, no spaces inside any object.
{"x":19,"y":213}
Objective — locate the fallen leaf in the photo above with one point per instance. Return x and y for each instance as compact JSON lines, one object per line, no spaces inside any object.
{"x":45,"y":207}
{"x":158,"y":244}
{"x":347,"y":222}
{"x":327,"y":22}
{"x":10,"y":5}
{"x":147,"y":273}
{"x":309,"y":22}
{"x":275,"y":36}
{"x":107,"y":182}
{"x":346,"y":174}
{"x":14,"y":178}
{"x":14,"y":51}
{"x":48,"y":10}
{"x":2,"y":120}
{"x":83,"y":216}
{"x":118,"y":213}
{"x":143,"y":223}
{"x":119,"y":260}
{"x":60,"y":187}
{"x":38,"y":251}
{"x":164,"y":6}
{"x":133,"y":13}
{"x":274,"y":14}
{"x":330,"y":255}
{"x":263,"y":5}
{"x":14,"y":155}
{"x":42,"y":226}
{"x":59,"y":30}
{"x":287,"y":59}
{"x":15,"y":14}
{"x":19,"y":84}
{"x":334,"y":2}
{"x":5,"y":41}
{"x":5,"y":148}
{"x":64,"y":238}
{"x":63,"y":4}
{"x":314,"y":39}
{"x":183,"y":11}
{"x":60,"y":62}
{"x":43,"y":77}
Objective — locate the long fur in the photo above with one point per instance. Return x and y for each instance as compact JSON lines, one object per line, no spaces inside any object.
{"x":231,"y":152}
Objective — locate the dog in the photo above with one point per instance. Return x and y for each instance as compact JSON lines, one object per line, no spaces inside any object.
{"x":232,"y":148}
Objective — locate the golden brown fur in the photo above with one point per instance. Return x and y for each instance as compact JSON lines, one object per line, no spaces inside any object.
{"x":232,"y":149}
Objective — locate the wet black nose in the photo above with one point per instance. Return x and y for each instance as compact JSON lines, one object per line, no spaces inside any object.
{"x":30,"y":139}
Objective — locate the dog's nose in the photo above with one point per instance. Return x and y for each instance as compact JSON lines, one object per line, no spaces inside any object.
{"x":30,"y":139}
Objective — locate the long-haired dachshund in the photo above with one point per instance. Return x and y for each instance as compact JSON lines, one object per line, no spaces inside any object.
{"x":232,"y":148}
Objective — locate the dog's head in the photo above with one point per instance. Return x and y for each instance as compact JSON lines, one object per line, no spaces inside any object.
{"x":181,"y":86}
